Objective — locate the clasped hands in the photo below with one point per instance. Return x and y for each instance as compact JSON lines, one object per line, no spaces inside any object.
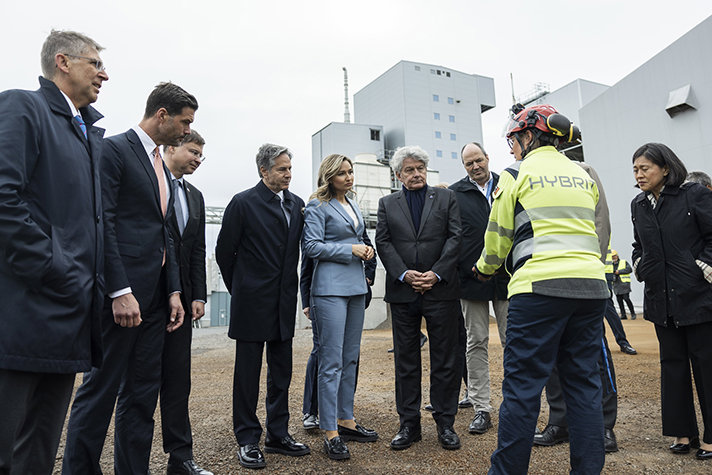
{"x":127,"y":312}
{"x":420,"y":281}
{"x":362,"y":251}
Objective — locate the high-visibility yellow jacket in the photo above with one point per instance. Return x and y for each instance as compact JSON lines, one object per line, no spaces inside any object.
{"x":543,"y":212}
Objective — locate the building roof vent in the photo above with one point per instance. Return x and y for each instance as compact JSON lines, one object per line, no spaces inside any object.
{"x":680,"y":100}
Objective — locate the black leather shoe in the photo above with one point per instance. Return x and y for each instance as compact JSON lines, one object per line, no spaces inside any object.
{"x":391,"y":350}
{"x":250,"y":456}
{"x":465,"y":402}
{"x":685,"y":448}
{"x":189,"y":467}
{"x":448,"y":439}
{"x":285,"y":446}
{"x":423,"y":339}
{"x":551,"y":435}
{"x":480,"y":423}
{"x":361,"y":434}
{"x":624,"y":317}
{"x":429,"y":407}
{"x":633,"y":317}
{"x":405,"y":437}
{"x":703,"y":454}
{"x":310,"y":421}
{"x":609,"y":441}
{"x":336,"y":449}
{"x":628,"y":350}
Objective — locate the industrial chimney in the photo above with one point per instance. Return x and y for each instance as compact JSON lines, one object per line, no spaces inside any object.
{"x":347,"y":115}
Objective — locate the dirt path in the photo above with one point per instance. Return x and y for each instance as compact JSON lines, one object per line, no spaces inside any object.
{"x":643,"y":450}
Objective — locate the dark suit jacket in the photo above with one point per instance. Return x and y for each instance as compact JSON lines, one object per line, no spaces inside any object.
{"x":135,"y":230}
{"x":435,"y":246}
{"x":474,"y":215}
{"x":51,"y":234}
{"x":258,"y":255}
{"x":190,"y":248}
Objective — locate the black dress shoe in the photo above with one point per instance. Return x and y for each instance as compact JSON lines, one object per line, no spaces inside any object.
{"x":405,"y":437}
{"x":285,"y":446}
{"x":310,"y":421}
{"x":633,"y":317}
{"x":609,"y":441}
{"x":423,"y":339}
{"x":361,"y":434}
{"x":465,"y":402}
{"x":448,"y":439}
{"x":480,"y":423}
{"x":336,"y":449}
{"x":250,"y":456}
{"x":685,"y":448}
{"x":551,"y":435}
{"x":429,"y":407}
{"x":189,"y":467}
{"x":703,"y":454}
{"x":391,"y":350}
{"x":627,"y":349}
{"x":624,"y":317}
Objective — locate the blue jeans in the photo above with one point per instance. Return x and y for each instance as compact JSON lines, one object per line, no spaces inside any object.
{"x":542,"y":332}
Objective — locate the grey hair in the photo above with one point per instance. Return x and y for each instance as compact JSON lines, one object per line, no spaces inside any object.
{"x":64,"y":42}
{"x":409,"y":151}
{"x":699,"y":177}
{"x":267,"y":154}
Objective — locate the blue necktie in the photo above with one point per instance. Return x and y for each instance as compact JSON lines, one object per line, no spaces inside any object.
{"x":81,"y":123}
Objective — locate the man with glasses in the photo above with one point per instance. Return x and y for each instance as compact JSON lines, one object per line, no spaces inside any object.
{"x":187,"y":227}
{"x":51,"y":234}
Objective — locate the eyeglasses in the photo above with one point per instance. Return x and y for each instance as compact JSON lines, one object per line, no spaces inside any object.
{"x":198,"y":156}
{"x":97,"y":63}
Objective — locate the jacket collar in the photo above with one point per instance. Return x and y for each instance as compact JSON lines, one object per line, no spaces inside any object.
{"x":59,"y":105}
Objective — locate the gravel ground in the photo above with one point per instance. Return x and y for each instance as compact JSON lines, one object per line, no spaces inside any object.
{"x":643,"y":450}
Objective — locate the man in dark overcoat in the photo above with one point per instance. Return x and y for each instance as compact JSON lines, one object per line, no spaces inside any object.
{"x":258,"y":253}
{"x":51,"y":236}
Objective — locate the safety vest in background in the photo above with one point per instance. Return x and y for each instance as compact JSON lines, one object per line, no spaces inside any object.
{"x":544,"y":212}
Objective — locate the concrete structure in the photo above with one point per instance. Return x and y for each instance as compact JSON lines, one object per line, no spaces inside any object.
{"x":669,"y":100}
{"x":346,"y":139}
{"x":432,"y":106}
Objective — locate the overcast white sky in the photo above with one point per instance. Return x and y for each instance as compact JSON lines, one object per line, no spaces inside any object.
{"x":266,"y":71}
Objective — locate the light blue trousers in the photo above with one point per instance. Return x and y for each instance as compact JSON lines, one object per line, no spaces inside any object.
{"x":339,"y":322}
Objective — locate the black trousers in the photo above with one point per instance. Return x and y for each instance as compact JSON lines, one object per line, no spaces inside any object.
{"x":130,"y":377}
{"x":609,"y":400}
{"x":614,"y":321}
{"x":175,"y":391}
{"x":443,"y":320}
{"x":246,"y":389}
{"x":679,"y":348}
{"x":32,"y":411}
{"x":625,"y":298}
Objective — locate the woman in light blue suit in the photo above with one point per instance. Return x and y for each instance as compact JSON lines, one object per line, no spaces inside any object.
{"x":333,"y":229}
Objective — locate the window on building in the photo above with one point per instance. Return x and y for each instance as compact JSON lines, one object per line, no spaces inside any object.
{"x":453,"y":137}
{"x":450,"y":100}
{"x":436,"y":98}
{"x":451,"y":118}
{"x":438,"y":135}
{"x":432,"y":71}
{"x":447,"y":74}
{"x":417,"y":68}
{"x":439,"y":72}
{"x":439,"y":153}
{"x":453,"y":155}
{"x":375,"y":134}
{"x":436,"y":115}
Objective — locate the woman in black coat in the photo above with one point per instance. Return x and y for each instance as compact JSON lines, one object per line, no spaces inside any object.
{"x":672,"y":254}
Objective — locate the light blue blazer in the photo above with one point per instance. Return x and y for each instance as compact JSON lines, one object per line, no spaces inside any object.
{"x":329,"y":233}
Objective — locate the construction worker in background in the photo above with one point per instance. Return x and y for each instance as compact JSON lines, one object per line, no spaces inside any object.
{"x":544,"y":213}
{"x":621,"y":284}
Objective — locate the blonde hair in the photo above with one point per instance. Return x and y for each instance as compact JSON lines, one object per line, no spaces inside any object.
{"x":328,"y":169}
